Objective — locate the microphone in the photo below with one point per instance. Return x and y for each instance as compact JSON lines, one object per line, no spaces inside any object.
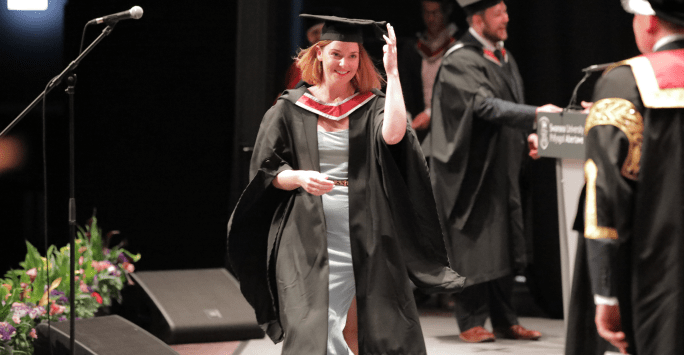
{"x":135,"y":12}
{"x":597,"y":67}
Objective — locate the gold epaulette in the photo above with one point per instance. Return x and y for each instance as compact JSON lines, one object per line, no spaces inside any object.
{"x":622,"y":114}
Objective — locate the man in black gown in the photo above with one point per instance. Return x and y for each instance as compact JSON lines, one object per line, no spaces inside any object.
{"x":634,"y":217}
{"x":479,"y":129}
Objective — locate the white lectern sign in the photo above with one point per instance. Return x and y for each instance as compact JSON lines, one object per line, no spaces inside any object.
{"x":561,"y":135}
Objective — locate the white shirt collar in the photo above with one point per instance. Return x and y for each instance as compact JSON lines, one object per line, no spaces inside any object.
{"x":487,"y":44}
{"x":667,"y":39}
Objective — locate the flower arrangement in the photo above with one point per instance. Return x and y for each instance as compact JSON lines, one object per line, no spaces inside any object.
{"x":40,"y":289}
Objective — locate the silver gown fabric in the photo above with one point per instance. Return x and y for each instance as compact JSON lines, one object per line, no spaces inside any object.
{"x":333,"y":148}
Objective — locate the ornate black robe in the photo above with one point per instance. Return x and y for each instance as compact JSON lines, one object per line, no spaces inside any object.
{"x":634,"y":217}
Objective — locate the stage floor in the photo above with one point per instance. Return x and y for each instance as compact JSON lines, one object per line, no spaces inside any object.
{"x":441,"y":338}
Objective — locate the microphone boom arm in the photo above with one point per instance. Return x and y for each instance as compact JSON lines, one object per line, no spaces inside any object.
{"x":58,"y":79}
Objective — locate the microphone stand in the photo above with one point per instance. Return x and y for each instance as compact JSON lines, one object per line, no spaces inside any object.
{"x":68,"y":72}
{"x":587,"y":73}
{"x":573,"y":99}
{"x":58,"y":79}
{"x":72,"y":215}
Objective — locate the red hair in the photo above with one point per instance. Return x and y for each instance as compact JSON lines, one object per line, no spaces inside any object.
{"x":367,"y":76}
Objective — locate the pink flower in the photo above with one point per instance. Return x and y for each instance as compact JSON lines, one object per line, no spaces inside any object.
{"x":97,"y":296}
{"x":101,"y":265}
{"x":19,"y":310}
{"x":33,"y":334}
{"x":37,"y":312}
{"x":56,"y":309}
{"x":32,"y":273}
{"x":80,"y":261}
{"x":85,"y":288}
{"x":82,"y":249}
{"x":128,"y":267}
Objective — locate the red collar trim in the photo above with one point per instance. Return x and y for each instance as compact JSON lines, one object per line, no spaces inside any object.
{"x":668,"y":67}
{"x":490,"y":55}
{"x":428,"y":53}
{"x":336,"y":111}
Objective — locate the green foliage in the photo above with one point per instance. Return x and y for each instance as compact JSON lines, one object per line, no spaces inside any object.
{"x":40,"y":289}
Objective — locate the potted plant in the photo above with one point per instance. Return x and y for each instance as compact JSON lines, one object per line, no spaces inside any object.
{"x":40,"y":289}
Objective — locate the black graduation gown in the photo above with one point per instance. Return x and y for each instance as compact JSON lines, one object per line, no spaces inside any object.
{"x":277,"y":239}
{"x":581,"y":335}
{"x":479,"y":127}
{"x":635,"y":197}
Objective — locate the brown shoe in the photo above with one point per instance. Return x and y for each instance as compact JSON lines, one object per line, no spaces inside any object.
{"x":518,"y":332}
{"x":477,"y":335}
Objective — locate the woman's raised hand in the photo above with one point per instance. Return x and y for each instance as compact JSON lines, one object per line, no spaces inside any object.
{"x":390,"y":52}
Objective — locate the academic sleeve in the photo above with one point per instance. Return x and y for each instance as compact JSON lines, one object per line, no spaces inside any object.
{"x":260,"y":206}
{"x":504,"y":112}
{"x":612,"y":130}
{"x":406,"y":182}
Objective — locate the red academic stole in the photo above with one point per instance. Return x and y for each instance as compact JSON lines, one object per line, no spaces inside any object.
{"x":335,"y":111}
{"x":429,"y":53}
{"x":668,"y":67}
{"x":660,"y":78}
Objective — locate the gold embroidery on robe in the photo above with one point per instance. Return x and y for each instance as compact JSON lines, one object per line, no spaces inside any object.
{"x":622,"y":114}
{"x":591,"y":228}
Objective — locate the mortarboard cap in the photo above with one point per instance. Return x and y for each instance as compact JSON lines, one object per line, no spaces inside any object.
{"x":344,"y":29}
{"x":638,"y":7}
{"x":669,"y":10}
{"x":321,"y":9}
{"x":472,"y":6}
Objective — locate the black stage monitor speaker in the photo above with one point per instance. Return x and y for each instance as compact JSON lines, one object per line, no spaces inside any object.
{"x":197,"y":306}
{"x":109,"y":335}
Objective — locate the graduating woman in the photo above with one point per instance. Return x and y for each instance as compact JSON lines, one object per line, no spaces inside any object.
{"x":339,"y":207}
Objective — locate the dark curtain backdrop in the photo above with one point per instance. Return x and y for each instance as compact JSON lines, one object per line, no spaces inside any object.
{"x":30,"y":54}
{"x":154,"y":127}
{"x":162,"y":149}
{"x":154,"y":123}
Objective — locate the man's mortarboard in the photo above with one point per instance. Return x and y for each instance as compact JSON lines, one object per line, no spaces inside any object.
{"x":638,"y":7}
{"x":472,"y":6}
{"x":669,"y":10}
{"x":346,"y":30}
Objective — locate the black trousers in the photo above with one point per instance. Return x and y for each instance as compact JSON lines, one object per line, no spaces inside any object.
{"x":488,"y":299}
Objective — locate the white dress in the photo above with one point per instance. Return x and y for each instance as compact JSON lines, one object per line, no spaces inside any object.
{"x":333,"y":148}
